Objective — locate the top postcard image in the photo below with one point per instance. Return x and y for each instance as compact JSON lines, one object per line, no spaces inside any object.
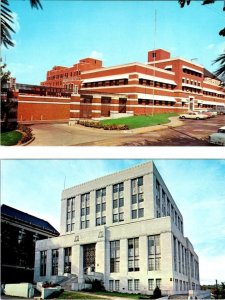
{"x":112,"y":73}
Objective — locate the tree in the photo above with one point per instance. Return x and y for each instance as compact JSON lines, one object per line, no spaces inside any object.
{"x":7,"y":21}
{"x":157,"y":293}
{"x":221,"y":59}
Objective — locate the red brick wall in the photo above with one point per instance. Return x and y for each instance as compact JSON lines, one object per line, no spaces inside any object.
{"x":32,"y":108}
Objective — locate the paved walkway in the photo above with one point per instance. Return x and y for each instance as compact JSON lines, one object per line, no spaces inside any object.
{"x":77,"y":135}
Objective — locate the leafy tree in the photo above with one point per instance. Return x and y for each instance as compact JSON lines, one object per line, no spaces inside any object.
{"x":221,"y":59}
{"x":7,"y":21}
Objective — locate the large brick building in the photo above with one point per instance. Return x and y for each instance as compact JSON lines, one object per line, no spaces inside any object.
{"x":124,"y":228}
{"x":163,"y":84}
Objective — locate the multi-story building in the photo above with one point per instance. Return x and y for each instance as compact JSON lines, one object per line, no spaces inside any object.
{"x":163,"y":84}
{"x":19,"y":232}
{"x":125,"y":228}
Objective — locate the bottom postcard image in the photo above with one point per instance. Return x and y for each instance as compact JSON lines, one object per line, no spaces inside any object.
{"x":95,"y":229}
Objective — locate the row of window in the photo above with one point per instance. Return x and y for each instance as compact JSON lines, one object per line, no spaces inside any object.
{"x":137,"y":197}
{"x":134,"y":284}
{"x":164,"y":207}
{"x":213,"y":94}
{"x":194,"y":73}
{"x":190,"y":81}
{"x":158,"y":84}
{"x":154,"y":254}
{"x":155,"y":102}
{"x":54,"y":262}
{"x":65,"y":75}
{"x":191,"y":90}
{"x":184,"y":261}
{"x":106,"y":83}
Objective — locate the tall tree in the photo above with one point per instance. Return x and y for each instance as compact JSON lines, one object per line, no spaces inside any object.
{"x":220,"y":72}
{"x":7,"y":21}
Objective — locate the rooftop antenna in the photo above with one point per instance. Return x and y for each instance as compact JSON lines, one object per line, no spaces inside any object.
{"x":154,"y":57}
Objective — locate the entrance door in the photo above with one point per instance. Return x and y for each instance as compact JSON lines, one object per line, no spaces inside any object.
{"x":105,"y":106}
{"x":88,"y":257}
{"x":86,"y":108}
{"x":122,"y":105}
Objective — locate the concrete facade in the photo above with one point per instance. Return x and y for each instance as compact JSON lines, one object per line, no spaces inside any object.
{"x":126,"y":229}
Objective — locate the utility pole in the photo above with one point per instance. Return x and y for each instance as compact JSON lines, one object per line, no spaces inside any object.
{"x":153,"y":92}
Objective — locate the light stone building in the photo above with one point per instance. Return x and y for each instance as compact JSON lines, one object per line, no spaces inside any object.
{"x":124,"y":228}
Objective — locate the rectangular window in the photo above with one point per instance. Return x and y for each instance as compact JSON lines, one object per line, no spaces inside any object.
{"x":70,"y":213}
{"x":103,"y":206}
{"x":98,"y":221}
{"x":85,"y":210}
{"x":140,"y":197}
{"x":55,"y":257}
{"x":82,"y":225}
{"x":151,"y":284}
{"x":98,"y":208}
{"x":141,"y":212}
{"x":130,"y":285}
{"x":111,"y":285}
{"x":43,"y":259}
{"x":133,"y":255}
{"x":154,"y":258}
{"x":121,"y":217}
{"x":134,"y":214}
{"x":136,"y":284}
{"x":115,"y":203}
{"x":67,"y":259}
{"x":103,"y":220}
{"x":121,"y":202}
{"x":158,"y":283}
{"x":114,"y":256}
{"x":117,"y":285}
{"x":134,"y":199}
{"x":115,"y":218}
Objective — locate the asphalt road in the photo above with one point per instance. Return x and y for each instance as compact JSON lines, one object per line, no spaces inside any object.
{"x":190,"y":133}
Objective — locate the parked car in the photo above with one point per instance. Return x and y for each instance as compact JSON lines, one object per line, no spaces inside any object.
{"x":205,"y":112}
{"x":218,"y":138}
{"x":214,"y":112}
{"x":193,"y":115}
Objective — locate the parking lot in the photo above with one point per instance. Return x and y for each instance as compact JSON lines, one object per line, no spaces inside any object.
{"x":189,"y":133}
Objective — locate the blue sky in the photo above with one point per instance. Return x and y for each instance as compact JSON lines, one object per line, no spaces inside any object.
{"x":197,"y":187}
{"x":115,"y":31}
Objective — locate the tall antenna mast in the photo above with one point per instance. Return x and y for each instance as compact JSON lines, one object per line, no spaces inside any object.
{"x":154,"y":56}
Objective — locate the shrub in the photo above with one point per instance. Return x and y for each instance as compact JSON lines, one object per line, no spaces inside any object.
{"x":95,"y":124}
{"x":26,"y":132}
{"x":157,"y":293}
{"x":97,"y":285}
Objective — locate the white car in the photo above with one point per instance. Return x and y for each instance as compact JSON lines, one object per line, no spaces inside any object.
{"x":218,"y":138}
{"x":193,"y":115}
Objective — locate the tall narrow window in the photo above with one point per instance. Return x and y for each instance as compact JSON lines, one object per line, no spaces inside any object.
{"x":118,"y":202}
{"x":117,"y":285}
{"x":85,"y":210}
{"x":43,"y":259}
{"x":70,"y":214}
{"x":114,"y":256}
{"x":67,"y":259}
{"x":175,"y":253}
{"x":154,"y":257}
{"x":133,"y":255}
{"x":151,"y":284}
{"x":55,"y":258}
{"x":158,"y":283}
{"x":100,"y":199}
{"x":130,"y":284}
{"x":136,"y":284}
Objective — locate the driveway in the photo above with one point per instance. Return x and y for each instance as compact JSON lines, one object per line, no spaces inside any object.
{"x":177,"y":133}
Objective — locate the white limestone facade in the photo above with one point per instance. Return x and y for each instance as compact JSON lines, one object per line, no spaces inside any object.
{"x":124,"y":228}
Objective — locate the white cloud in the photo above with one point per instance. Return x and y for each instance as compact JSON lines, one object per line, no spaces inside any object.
{"x":210,"y":46}
{"x":96,"y":54}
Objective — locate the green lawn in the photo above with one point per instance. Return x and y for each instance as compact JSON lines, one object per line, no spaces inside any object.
{"x":76,"y":295}
{"x":141,"y":121}
{"x":10,"y":138}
